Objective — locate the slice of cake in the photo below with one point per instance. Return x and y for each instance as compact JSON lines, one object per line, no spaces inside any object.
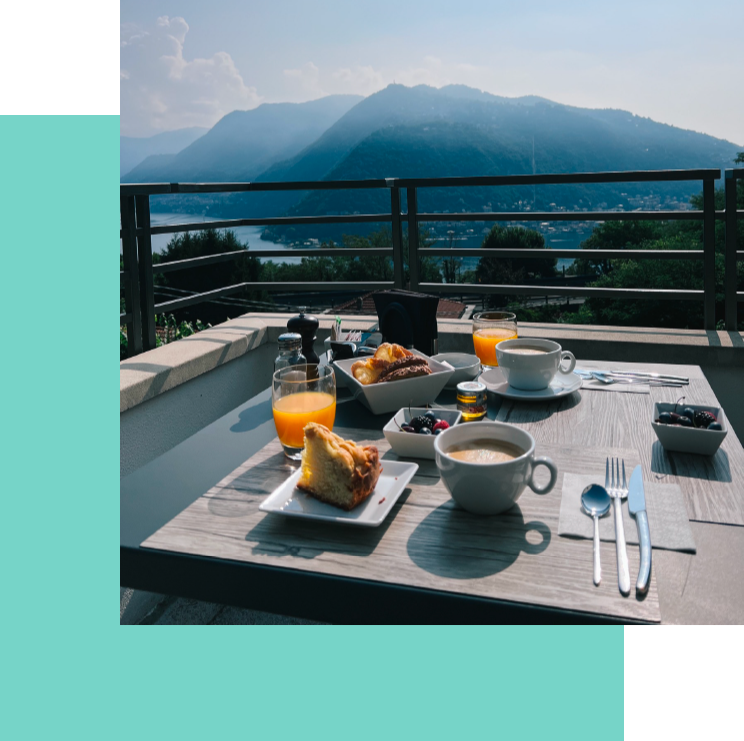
{"x":337,"y":471}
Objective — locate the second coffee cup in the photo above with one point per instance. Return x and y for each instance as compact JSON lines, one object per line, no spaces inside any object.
{"x":530,"y":365}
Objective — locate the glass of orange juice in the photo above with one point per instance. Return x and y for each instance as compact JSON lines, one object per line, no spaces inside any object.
{"x":302,"y":394}
{"x":490,"y":328}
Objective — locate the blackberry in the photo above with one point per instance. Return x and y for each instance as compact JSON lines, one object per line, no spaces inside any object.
{"x":704,"y":419}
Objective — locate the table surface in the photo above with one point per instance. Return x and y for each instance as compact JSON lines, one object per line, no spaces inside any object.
{"x":196,"y":511}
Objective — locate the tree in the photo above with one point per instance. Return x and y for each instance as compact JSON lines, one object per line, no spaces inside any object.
{"x":511,"y":270}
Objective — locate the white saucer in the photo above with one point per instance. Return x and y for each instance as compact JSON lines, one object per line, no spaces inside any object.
{"x":560,"y":386}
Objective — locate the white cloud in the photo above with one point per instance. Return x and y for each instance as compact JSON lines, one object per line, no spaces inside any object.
{"x":161,"y":89}
{"x":307,"y":77}
{"x":360,"y":80}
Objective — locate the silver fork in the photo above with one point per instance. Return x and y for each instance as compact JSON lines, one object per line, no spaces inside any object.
{"x":618,"y":492}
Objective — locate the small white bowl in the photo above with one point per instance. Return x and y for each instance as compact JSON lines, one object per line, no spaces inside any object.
{"x":689,"y":439}
{"x":467,"y":367}
{"x":411,"y":444}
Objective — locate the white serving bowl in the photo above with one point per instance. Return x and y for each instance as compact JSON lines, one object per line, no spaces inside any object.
{"x":380,"y":398}
{"x":689,"y":439}
{"x":467,"y":367}
{"x":411,"y":444}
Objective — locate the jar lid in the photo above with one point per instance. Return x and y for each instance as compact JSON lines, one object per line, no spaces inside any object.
{"x":471,"y":387}
{"x":289,"y":340}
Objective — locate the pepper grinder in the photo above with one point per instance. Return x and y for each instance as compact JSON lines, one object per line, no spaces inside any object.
{"x":305,"y":325}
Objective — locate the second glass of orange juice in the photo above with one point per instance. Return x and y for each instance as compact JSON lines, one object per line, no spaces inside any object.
{"x":302,"y":394}
{"x":490,"y":328}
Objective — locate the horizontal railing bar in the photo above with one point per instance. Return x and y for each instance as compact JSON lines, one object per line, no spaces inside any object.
{"x":192,"y":262}
{"x":124,"y":319}
{"x":560,"y":178}
{"x":642,"y":293}
{"x":130,"y":189}
{"x":362,"y":287}
{"x":273,"y":221}
{"x":568,"y":216}
{"x":567,"y":254}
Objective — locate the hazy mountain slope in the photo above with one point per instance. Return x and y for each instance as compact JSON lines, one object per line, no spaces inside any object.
{"x":565,"y":140}
{"x":133,"y":150}
{"x":244,"y":143}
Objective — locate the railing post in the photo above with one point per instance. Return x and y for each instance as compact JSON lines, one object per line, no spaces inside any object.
{"x":709,"y":258}
{"x":413,"y":245}
{"x":397,"y":228}
{"x":144,"y":253}
{"x":132,"y":287}
{"x":730,"y":266}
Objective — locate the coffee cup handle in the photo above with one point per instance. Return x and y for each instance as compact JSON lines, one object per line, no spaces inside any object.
{"x":553,"y":475}
{"x":567,"y":355}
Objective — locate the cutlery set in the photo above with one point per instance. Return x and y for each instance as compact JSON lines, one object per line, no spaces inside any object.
{"x":609,"y":377}
{"x":596,"y":501}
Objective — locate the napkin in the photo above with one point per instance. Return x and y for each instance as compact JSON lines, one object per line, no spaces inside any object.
{"x":665,"y":506}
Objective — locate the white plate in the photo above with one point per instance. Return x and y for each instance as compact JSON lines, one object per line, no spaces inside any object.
{"x":560,"y":386}
{"x":389,"y":397}
{"x":288,"y":500}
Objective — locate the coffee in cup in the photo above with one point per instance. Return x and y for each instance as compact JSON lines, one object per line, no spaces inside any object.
{"x":531,"y":364}
{"x":487,"y":465}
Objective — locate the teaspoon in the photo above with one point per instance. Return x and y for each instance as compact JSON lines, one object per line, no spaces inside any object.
{"x":596,"y":502}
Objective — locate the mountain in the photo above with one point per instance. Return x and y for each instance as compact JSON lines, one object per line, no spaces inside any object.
{"x":243,"y":144}
{"x":133,"y":150}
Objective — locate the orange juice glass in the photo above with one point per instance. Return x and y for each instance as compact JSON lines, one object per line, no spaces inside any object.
{"x":302,"y":394}
{"x":490,"y":328}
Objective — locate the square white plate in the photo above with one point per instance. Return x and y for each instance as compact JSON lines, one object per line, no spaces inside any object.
{"x":389,"y":397}
{"x":288,"y":500}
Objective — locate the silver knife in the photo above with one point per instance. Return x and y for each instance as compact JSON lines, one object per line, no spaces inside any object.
{"x":643,"y":374}
{"x":637,"y":507}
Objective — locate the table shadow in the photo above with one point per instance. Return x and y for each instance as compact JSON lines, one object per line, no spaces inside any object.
{"x":522,"y":412}
{"x":288,"y":536}
{"x":453,"y":543}
{"x":689,"y":465}
{"x":253,"y":417}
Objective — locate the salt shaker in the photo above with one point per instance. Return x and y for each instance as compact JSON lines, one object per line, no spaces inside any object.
{"x":289,"y":351}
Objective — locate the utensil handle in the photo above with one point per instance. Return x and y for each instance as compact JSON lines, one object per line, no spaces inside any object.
{"x":623,"y":574}
{"x":597,"y":566}
{"x":644,"y":536}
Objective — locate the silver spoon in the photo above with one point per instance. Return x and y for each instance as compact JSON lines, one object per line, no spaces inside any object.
{"x":602,"y":378}
{"x":596,"y":502}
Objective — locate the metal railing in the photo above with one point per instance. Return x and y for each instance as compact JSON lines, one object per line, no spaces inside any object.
{"x":732,"y":297}
{"x":137,"y":277}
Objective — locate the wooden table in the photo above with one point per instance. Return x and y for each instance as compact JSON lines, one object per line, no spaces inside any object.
{"x":191,"y":526}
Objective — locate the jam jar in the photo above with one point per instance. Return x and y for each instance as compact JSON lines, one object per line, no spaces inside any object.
{"x":472,"y":400}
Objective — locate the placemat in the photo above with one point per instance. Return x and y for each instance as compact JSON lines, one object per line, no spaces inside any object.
{"x":665,"y":506}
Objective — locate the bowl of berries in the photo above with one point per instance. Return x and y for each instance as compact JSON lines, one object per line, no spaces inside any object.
{"x":412,"y":430}
{"x":689,"y":428}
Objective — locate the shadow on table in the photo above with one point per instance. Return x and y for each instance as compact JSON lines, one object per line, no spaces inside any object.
{"x":453,"y":543}
{"x":252,"y":417}
{"x":287,"y":536}
{"x":688,"y":465}
{"x":523,"y":412}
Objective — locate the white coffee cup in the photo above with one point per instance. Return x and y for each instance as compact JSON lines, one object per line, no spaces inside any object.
{"x":490,"y":488}
{"x":532,"y":372}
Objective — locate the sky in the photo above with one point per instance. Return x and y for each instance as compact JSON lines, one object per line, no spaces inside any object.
{"x":188,"y":63}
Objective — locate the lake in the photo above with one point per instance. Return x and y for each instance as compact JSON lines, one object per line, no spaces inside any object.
{"x":252,"y":236}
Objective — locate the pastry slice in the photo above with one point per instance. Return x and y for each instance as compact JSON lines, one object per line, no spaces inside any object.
{"x":337,"y":471}
{"x":368,"y":371}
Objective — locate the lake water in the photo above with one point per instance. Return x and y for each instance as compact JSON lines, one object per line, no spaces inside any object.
{"x":252,"y":236}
